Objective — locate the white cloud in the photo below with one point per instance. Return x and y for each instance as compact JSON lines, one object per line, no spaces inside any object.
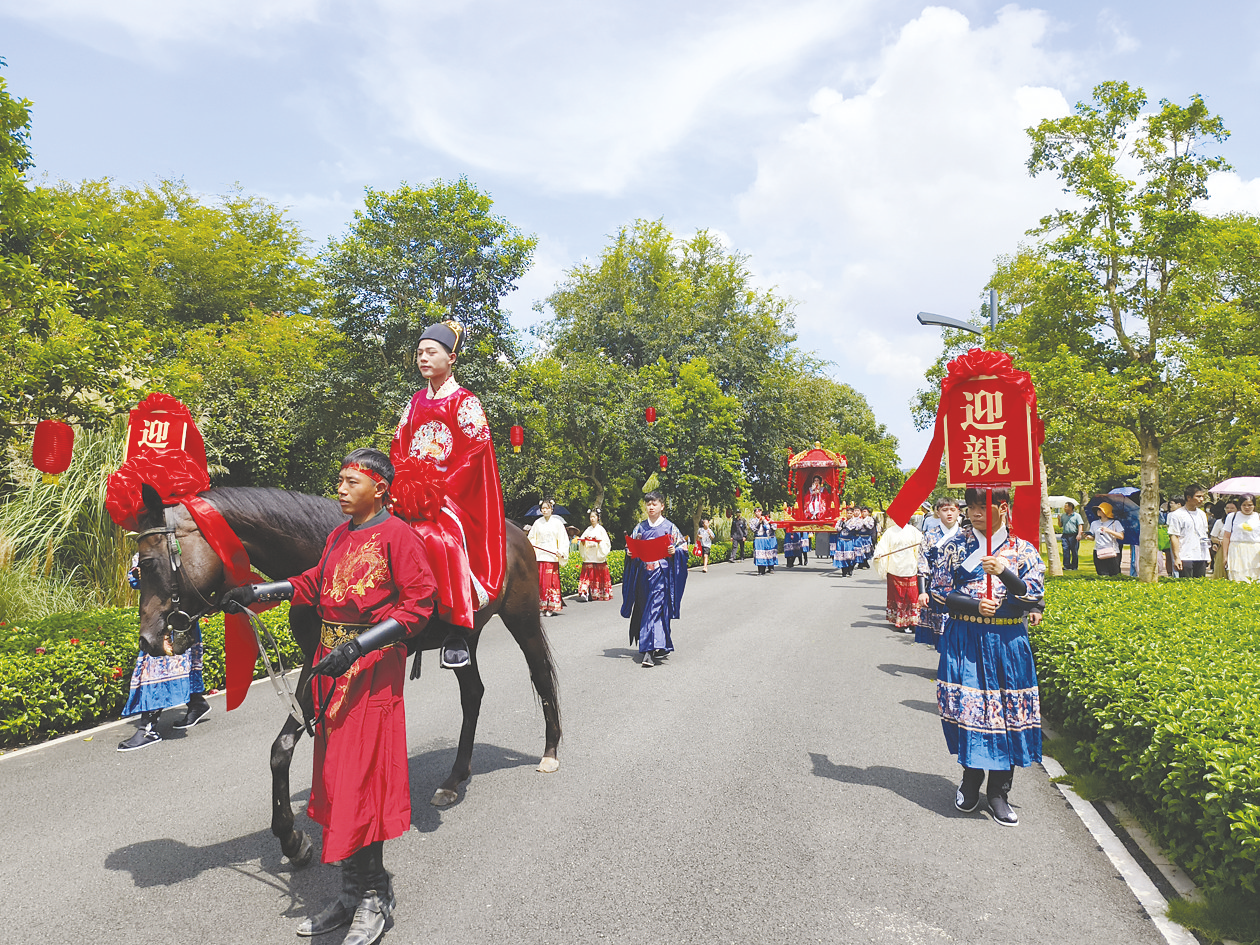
{"x":898,"y":196}
{"x":1231,"y":194}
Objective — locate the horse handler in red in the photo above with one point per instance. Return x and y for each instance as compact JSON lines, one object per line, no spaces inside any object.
{"x":374,"y":588}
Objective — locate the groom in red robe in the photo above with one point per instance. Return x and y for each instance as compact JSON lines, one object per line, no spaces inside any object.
{"x":465,"y":541}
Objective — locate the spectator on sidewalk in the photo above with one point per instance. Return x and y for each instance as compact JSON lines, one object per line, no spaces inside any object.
{"x":1241,"y":544}
{"x":1188,"y":533}
{"x":704,"y":538}
{"x":739,"y":535}
{"x":1108,"y":534}
{"x":1222,"y":516}
{"x":1072,"y":530}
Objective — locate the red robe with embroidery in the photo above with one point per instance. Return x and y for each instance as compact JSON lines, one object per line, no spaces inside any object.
{"x":467,"y":544}
{"x":360,"y":788}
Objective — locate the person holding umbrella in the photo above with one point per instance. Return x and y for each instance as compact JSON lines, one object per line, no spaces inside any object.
{"x":1240,"y":544}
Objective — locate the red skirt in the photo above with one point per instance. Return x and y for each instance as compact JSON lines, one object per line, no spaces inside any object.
{"x":360,"y":789}
{"x":903,"y":601}
{"x":549,"y":586}
{"x":595,"y":581}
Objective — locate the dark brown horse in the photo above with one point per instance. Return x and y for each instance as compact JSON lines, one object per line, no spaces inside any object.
{"x":284,"y":534}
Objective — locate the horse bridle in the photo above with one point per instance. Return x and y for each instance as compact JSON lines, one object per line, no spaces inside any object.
{"x":178,"y":621}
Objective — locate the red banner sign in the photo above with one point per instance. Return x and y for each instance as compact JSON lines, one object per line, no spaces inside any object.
{"x":161,"y":422}
{"x":988,"y":434}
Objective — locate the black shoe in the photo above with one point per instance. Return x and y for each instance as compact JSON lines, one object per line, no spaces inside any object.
{"x":968,"y":797}
{"x":455,"y":653}
{"x":659,"y":655}
{"x":369,"y":919}
{"x":340,"y":911}
{"x":647,"y":663}
{"x":1002,"y":813}
{"x":142,"y":737}
{"x":197,"y":712}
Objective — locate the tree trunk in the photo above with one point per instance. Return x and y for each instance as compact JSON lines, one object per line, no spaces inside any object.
{"x":1047,"y":525}
{"x":1148,"y":520}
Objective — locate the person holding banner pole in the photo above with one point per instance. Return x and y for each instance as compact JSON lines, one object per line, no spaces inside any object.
{"x":987,"y":689}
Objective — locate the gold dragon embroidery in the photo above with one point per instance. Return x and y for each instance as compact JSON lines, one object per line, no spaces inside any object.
{"x":359,"y":571}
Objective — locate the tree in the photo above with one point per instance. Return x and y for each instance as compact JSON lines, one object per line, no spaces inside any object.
{"x":1119,"y":303}
{"x":415,"y":256}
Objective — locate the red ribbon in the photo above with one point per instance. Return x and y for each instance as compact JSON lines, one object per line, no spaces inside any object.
{"x":1026,"y":513}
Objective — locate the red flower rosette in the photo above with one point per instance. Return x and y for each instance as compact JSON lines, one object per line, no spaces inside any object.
{"x":418,"y":490}
{"x":173,"y":474}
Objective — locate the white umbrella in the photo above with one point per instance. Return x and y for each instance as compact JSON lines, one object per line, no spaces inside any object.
{"x":1058,"y":501}
{"x":1239,"y":484}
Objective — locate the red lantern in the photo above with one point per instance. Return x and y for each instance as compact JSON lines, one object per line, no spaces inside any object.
{"x":664,"y":462}
{"x":650,"y":416}
{"x":518,"y":438}
{"x":51,"y":451}
{"x":738,"y":492}
{"x":872,"y":480}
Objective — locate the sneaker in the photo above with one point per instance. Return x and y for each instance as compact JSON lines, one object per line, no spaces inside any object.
{"x":141,"y":738}
{"x":197,"y":712}
{"x":1002,"y":813}
{"x":648,"y":662}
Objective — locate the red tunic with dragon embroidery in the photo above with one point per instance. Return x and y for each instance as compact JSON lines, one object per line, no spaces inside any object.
{"x":359,"y":789}
{"x":467,"y":544}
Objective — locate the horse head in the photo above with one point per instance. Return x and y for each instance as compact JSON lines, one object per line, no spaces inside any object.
{"x":181,"y":577}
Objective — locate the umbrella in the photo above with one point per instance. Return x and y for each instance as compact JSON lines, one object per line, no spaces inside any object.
{"x":1125,"y":490}
{"x":555,"y":510}
{"x":1057,"y":501}
{"x":1125,"y":509}
{"x":1238,"y":485}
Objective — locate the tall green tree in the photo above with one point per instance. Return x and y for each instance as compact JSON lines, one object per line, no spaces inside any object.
{"x":414,"y":256}
{"x":1120,"y":299}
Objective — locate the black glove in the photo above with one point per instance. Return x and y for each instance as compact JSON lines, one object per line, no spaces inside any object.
{"x":373,"y":638}
{"x":339,"y":660}
{"x":238,"y":598}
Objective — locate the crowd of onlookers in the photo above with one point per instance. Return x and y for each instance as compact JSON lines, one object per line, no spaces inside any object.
{"x":1204,"y":539}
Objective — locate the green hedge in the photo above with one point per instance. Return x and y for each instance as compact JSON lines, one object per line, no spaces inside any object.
{"x":1162,"y":683}
{"x":70,"y":671}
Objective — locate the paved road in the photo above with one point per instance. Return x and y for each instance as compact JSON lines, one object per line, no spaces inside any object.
{"x":782,"y":778}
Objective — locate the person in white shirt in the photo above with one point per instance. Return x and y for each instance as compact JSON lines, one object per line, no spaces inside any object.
{"x":551,"y":548}
{"x":1188,"y":534}
{"x":595,"y":581}
{"x":1240,"y":545}
{"x":1108,"y":534}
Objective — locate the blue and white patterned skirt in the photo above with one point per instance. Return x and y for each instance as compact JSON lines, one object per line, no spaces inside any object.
{"x":987,"y":694}
{"x":159,"y":682}
{"x":765,"y":551}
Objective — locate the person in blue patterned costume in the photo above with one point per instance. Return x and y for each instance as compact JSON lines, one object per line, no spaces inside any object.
{"x":986,"y":685}
{"x":935,"y":582}
{"x":865,"y":535}
{"x":651,"y":591}
{"x":843,"y":542}
{"x":765,"y":544}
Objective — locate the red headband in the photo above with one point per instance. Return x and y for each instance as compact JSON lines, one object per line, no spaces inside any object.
{"x":374,"y":476}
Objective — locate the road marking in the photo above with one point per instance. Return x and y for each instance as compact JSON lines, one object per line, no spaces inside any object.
{"x":1147,"y":894}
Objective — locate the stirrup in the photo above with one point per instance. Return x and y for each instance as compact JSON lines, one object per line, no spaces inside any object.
{"x":455,"y":653}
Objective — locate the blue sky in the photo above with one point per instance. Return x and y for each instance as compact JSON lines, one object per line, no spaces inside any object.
{"x":867,"y":156}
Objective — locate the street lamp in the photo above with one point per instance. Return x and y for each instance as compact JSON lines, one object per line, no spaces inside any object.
{"x":927,"y":318}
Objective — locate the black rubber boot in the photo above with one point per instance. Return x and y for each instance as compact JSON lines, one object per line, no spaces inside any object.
{"x":968,"y":797}
{"x":999,"y":790}
{"x":340,"y":911}
{"x":377,"y":902}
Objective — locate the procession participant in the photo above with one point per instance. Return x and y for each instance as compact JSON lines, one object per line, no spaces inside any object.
{"x":651,"y":590}
{"x":896,"y":558}
{"x":791,"y":547}
{"x":844,"y":555}
{"x":551,"y":547}
{"x":987,"y":682}
{"x":162,"y":682}
{"x":595,"y":582}
{"x":816,"y":504}
{"x":466,"y":546}
{"x":765,"y":544}
{"x":373,"y":589}
{"x":864,"y":543}
{"x":935,"y":580}
{"x":804,"y":537}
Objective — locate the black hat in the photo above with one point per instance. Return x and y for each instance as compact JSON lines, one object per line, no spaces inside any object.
{"x":448,"y":334}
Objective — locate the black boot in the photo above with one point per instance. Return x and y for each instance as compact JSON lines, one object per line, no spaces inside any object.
{"x":377,"y":902}
{"x":999,"y":790}
{"x":341,"y":910}
{"x":146,"y":734}
{"x":968,"y":798}
{"x":455,"y":651}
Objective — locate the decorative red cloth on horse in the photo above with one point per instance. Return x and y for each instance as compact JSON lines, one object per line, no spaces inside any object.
{"x":464,"y":535}
{"x":360,"y":789}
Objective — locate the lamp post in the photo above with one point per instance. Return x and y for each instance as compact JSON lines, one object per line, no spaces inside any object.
{"x":927,"y":318}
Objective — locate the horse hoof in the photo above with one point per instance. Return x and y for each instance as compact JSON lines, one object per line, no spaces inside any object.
{"x":303,"y":855}
{"x":443,"y":797}
{"x":549,"y":765}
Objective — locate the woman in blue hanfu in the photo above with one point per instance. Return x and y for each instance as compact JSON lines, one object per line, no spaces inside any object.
{"x":765,"y":544}
{"x":986,"y":685}
{"x":653,"y":582}
{"x":844,"y":543}
{"x":935,"y":581}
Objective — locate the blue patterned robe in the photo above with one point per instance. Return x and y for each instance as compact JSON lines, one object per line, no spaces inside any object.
{"x":651,"y":592}
{"x":938,"y":581}
{"x":986,"y":686}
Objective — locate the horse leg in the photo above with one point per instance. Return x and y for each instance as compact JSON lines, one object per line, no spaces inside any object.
{"x":471,"y":689}
{"x":526,"y":629}
{"x":297,"y":846}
